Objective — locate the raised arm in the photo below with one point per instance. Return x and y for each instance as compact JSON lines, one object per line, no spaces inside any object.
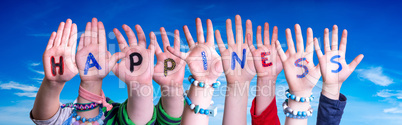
{"x":136,"y":70}
{"x":335,"y":71}
{"x":59,"y":65}
{"x":94,"y":63}
{"x":301,"y":74}
{"x":169,"y":74}
{"x":205,"y":66}
{"x":239,"y":70}
{"x":268,"y":66}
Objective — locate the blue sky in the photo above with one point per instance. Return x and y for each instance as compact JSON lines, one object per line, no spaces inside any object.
{"x":374,"y":91}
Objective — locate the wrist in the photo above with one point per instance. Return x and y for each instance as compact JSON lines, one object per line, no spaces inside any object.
{"x":53,"y":83}
{"x":331,"y":91}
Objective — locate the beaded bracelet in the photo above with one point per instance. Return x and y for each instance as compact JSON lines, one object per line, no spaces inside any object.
{"x":296,"y":114}
{"x":97,"y":119}
{"x":210,"y":111}
{"x":297,"y":98}
{"x":81,"y":106}
{"x":201,"y":84}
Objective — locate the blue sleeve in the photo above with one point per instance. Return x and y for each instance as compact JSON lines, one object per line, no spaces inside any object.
{"x":330,"y":111}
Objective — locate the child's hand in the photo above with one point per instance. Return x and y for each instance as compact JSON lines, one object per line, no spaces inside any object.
{"x":138,"y":64}
{"x":169,"y":69}
{"x":266,"y":59}
{"x":212,"y":69}
{"x":234,"y":69}
{"x":334,"y":68}
{"x":301,"y":73}
{"x":92,"y":47}
{"x":59,"y":56}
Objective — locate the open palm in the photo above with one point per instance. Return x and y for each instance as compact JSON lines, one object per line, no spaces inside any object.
{"x":141,"y":73}
{"x":93,"y":41}
{"x":61,"y":46}
{"x":333,"y":65}
{"x":272,"y":66}
{"x":234,"y":71}
{"x":176,"y":75}
{"x":301,"y":73}
{"x":213,"y":65}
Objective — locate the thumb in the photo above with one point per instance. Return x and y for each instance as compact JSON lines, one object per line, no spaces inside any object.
{"x":115,"y":58}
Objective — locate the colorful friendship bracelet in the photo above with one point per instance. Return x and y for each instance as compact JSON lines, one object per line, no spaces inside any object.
{"x":97,"y":120}
{"x":297,"y":98}
{"x":81,"y":106}
{"x":296,"y":114}
{"x":201,"y":84}
{"x":210,"y":111}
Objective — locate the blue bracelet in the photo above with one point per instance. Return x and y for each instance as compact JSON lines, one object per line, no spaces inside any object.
{"x":298,"y":99}
{"x":210,"y":111}
{"x":296,"y":114}
{"x":201,"y":84}
{"x":83,"y":119}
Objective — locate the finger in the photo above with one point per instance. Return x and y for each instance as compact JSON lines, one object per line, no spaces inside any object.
{"x":342,"y":46}
{"x":200,"y":31}
{"x":142,"y":41}
{"x":250,"y":42}
{"x":51,"y":40}
{"x":73,"y":35}
{"x":176,"y":40}
{"x":249,"y":30}
{"x":309,"y":42}
{"x":158,"y":49}
{"x":210,"y":33}
{"x":266,"y":33}
{"x":153,"y":44}
{"x":239,"y":30}
{"x":115,"y":58}
{"x":281,"y":54}
{"x":120,"y":39}
{"x":165,"y":39}
{"x":274,"y":36}
{"x":94,"y":33}
{"x":259,"y":37}
{"x":355,"y":62}
{"x":74,"y":48}
{"x":87,"y":35}
{"x":291,"y":46}
{"x":317,"y":48}
{"x":219,"y":42}
{"x":327,"y":46}
{"x":102,"y":36}
{"x":229,"y":32}
{"x":179,"y":54}
{"x":334,"y":44}
{"x":81,"y":43}
{"x":299,"y":39}
{"x":59,"y":34}
{"x":189,"y":38}
{"x":66,"y":33}
{"x":132,"y":40}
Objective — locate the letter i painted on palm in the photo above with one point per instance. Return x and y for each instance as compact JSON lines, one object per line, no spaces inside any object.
{"x":204,"y":60}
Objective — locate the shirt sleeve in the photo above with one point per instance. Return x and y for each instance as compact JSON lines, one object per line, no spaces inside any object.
{"x":268,"y":117}
{"x":164,"y":118}
{"x":61,"y":115}
{"x":330,"y":111}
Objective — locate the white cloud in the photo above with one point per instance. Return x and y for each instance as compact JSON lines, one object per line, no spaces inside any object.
{"x":35,"y":64}
{"x":393,"y":110}
{"x":15,"y":85}
{"x":390,"y":93}
{"x":17,"y":114}
{"x":27,"y":94}
{"x":375,"y":75}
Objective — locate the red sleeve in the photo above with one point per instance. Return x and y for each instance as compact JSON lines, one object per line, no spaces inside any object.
{"x":268,"y":117}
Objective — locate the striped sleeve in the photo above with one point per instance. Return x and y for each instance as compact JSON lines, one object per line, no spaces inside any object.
{"x":163,"y":118}
{"x":118,"y":114}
